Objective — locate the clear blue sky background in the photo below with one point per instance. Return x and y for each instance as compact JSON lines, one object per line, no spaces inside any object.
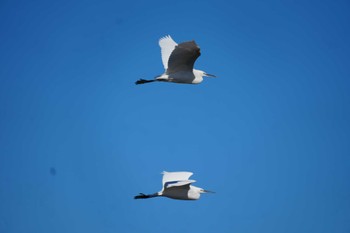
{"x":271,"y":135}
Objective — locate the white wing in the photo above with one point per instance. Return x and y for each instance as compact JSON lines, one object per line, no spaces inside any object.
{"x":175,"y":176}
{"x":167,"y":45}
{"x":178,"y":183}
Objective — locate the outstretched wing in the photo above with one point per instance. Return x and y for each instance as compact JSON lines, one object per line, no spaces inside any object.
{"x":183,"y":57}
{"x":175,"y":176}
{"x":167,"y":45}
{"x":179,"y":183}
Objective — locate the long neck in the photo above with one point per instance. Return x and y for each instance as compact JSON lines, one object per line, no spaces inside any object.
{"x":198,"y":74}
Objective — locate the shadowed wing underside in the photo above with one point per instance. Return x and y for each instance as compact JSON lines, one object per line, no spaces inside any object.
{"x":183,"y":57}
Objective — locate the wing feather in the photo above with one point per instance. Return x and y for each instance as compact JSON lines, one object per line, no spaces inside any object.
{"x":167,"y":45}
{"x":175,"y":176}
{"x":183,"y":57}
{"x":178,"y":183}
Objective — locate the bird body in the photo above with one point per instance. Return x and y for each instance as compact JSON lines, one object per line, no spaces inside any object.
{"x":194,"y":77}
{"x":176,"y":185}
{"x":178,"y":61}
{"x":188,"y":192}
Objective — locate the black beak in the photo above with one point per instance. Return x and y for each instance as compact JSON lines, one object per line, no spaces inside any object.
{"x":210,"y":75}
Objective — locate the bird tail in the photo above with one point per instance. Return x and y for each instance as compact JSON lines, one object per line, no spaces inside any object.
{"x":144,"y":196}
{"x":142,"y":81}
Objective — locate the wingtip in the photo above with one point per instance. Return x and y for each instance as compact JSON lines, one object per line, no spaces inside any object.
{"x":165,"y":37}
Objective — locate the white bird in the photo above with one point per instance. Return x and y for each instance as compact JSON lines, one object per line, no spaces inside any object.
{"x":176,"y":185}
{"x":178,"y":61}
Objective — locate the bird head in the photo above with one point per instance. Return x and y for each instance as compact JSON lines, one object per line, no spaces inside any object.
{"x":203,"y":73}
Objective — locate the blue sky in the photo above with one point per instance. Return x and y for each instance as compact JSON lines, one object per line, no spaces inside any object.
{"x":270,"y":135}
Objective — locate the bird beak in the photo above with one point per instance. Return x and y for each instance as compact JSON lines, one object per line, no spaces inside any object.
{"x":207,"y":191}
{"x":210,"y":75}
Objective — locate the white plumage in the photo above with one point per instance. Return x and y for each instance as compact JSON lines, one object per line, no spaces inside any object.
{"x":178,"y":61}
{"x":176,"y":185}
{"x":167,"y":45}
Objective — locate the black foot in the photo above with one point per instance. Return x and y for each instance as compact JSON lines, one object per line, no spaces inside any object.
{"x":142,"y":81}
{"x":143,"y":196}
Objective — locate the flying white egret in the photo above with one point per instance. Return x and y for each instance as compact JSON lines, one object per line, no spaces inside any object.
{"x":176,"y":185}
{"x":178,"y":61}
